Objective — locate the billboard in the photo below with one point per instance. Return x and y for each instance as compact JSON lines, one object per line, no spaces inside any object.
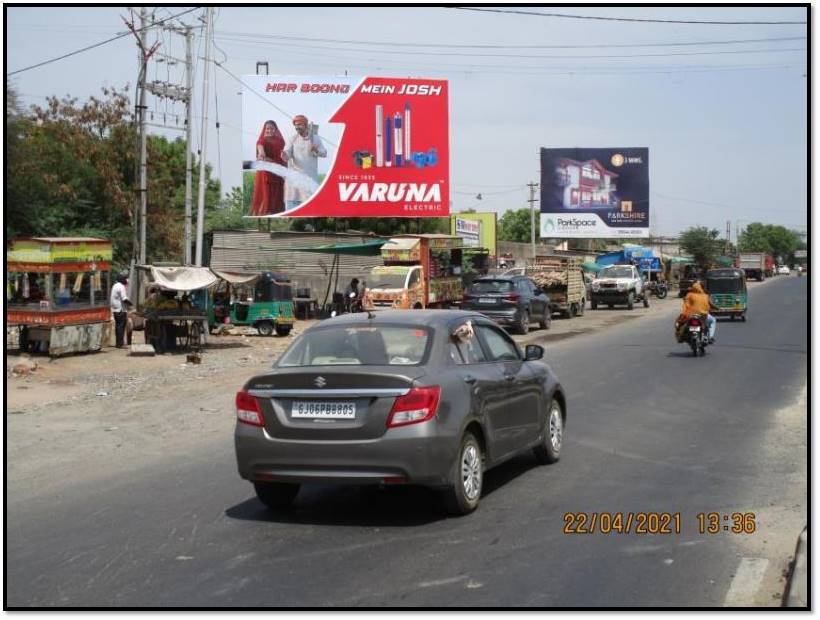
{"x":321,"y":146}
{"x":595,"y":192}
{"x":477,"y":229}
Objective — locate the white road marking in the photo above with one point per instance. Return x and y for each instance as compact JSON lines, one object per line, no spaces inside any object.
{"x":746,"y":582}
{"x":441,"y":582}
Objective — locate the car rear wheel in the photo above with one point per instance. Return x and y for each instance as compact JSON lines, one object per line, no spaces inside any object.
{"x":524,"y":322}
{"x":646,"y":300}
{"x":462,"y":496}
{"x":545,"y":321}
{"x":593,"y":304}
{"x":276,"y":495}
{"x":549,"y":450}
{"x":630,"y":301}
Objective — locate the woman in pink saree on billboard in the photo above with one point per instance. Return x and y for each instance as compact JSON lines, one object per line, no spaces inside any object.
{"x":268,"y":188}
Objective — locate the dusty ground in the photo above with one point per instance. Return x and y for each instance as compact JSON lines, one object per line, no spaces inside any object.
{"x":99,"y":414}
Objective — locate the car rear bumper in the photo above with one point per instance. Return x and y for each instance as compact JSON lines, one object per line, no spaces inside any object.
{"x":499,"y":316}
{"x":415,"y":454}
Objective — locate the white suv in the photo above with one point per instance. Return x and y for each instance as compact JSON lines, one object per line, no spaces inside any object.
{"x":618,"y":284}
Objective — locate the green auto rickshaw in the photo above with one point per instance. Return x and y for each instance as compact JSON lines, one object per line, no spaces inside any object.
{"x":727,"y":292}
{"x":265,"y":303}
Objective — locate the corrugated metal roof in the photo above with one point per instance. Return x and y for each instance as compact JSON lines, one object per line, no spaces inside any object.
{"x":253,"y":251}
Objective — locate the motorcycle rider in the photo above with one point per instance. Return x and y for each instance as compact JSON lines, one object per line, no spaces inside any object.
{"x":696,"y":302}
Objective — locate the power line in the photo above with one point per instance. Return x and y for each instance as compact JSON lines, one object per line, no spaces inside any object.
{"x":728,"y":206}
{"x":101,"y":43}
{"x":529,"y":56}
{"x":490,"y":46}
{"x":633,"y":19}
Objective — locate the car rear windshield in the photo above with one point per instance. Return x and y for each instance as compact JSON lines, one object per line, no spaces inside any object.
{"x":359,"y":345}
{"x":491,"y":286}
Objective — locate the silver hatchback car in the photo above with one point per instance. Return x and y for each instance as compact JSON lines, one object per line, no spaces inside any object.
{"x":430,"y":397}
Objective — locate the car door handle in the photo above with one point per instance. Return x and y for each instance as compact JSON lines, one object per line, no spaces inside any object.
{"x":509,"y":377}
{"x":469,"y":379}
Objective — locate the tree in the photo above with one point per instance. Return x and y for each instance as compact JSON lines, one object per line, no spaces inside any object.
{"x":72,"y":171}
{"x":515,"y":225}
{"x":776,"y":240}
{"x":703,"y":244}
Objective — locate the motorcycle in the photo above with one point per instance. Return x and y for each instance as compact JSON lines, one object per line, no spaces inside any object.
{"x":695,"y":334}
{"x":660,"y":289}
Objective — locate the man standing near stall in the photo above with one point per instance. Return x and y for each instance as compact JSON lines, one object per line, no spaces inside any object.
{"x":119,"y":301}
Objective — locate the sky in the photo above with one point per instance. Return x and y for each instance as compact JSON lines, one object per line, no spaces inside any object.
{"x":726,"y":122}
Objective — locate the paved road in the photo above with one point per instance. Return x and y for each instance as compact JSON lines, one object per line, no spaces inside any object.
{"x":650,"y":429}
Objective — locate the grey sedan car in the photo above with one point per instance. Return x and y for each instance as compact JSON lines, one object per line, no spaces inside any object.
{"x":429,"y":397}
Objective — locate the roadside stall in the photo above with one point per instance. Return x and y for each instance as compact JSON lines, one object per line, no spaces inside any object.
{"x":172,"y":321}
{"x":57,"y":293}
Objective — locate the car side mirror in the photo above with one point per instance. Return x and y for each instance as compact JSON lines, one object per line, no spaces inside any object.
{"x":533,"y":352}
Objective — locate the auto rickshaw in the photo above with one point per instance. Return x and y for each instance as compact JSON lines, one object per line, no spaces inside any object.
{"x":727,"y":292}
{"x":267,"y":305}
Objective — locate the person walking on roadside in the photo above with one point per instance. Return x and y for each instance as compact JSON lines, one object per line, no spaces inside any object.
{"x":119,"y":300}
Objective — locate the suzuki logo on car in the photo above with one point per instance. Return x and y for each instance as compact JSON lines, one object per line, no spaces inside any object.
{"x":320,"y":382}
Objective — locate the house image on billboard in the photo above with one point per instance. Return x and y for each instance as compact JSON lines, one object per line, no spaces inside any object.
{"x":585,"y":184}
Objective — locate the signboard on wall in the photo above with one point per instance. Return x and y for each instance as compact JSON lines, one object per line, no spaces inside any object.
{"x":321,"y":146}
{"x":595,"y":192}
{"x":467,"y":225}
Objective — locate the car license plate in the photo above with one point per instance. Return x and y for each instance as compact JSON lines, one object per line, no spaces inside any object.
{"x":486,"y":300}
{"x":313,"y":409}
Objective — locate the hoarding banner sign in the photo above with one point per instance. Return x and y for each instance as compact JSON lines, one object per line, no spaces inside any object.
{"x":595,"y":192}
{"x":319,"y":146}
{"x":469,"y":231}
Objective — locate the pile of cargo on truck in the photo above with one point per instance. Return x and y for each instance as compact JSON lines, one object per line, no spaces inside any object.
{"x":562,"y":279}
{"x":758,"y":265}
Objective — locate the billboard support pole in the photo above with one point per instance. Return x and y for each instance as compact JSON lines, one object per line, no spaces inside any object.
{"x":532,"y":187}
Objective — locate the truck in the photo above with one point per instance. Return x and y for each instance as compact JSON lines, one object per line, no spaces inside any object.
{"x":419,"y":271}
{"x":562,"y":279}
{"x":758,"y":265}
{"x":619,"y":284}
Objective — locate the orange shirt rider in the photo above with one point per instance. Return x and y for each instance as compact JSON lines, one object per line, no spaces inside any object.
{"x":695,"y":302}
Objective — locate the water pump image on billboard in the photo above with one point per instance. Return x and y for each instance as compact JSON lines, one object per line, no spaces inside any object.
{"x":319,"y":146}
{"x":595,"y":193}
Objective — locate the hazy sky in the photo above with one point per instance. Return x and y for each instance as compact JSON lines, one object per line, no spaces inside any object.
{"x":727,"y":132}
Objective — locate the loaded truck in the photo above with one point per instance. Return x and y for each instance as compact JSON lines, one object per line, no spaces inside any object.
{"x":419,"y":271}
{"x":562,"y":279}
{"x":758,"y":265}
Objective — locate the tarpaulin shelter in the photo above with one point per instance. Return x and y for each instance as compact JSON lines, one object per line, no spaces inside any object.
{"x":365,"y":248}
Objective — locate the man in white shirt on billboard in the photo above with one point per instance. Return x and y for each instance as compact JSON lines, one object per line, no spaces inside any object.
{"x":302,"y":152}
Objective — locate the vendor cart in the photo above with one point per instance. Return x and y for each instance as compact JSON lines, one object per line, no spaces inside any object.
{"x":57,"y":293}
{"x":172,"y":320}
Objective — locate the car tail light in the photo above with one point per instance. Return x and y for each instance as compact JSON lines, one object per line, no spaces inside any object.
{"x":248,"y":410}
{"x":512,"y":297}
{"x":418,"y":405}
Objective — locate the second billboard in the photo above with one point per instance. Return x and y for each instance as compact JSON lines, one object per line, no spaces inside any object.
{"x":345,"y":147}
{"x":595,"y":192}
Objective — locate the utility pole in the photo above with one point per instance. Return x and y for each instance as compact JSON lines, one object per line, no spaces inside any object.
{"x":189,"y":83}
{"x":200,"y":207}
{"x":532,"y":187}
{"x":728,"y":232}
{"x":143,"y":151}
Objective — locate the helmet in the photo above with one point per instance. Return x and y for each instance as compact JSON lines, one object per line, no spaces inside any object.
{"x":122,"y":277}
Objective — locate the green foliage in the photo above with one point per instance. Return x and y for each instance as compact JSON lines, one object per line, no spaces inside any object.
{"x":776,"y":240}
{"x":231,"y":212}
{"x":702,"y":244}
{"x":516,"y":225}
{"x":72,"y":171}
